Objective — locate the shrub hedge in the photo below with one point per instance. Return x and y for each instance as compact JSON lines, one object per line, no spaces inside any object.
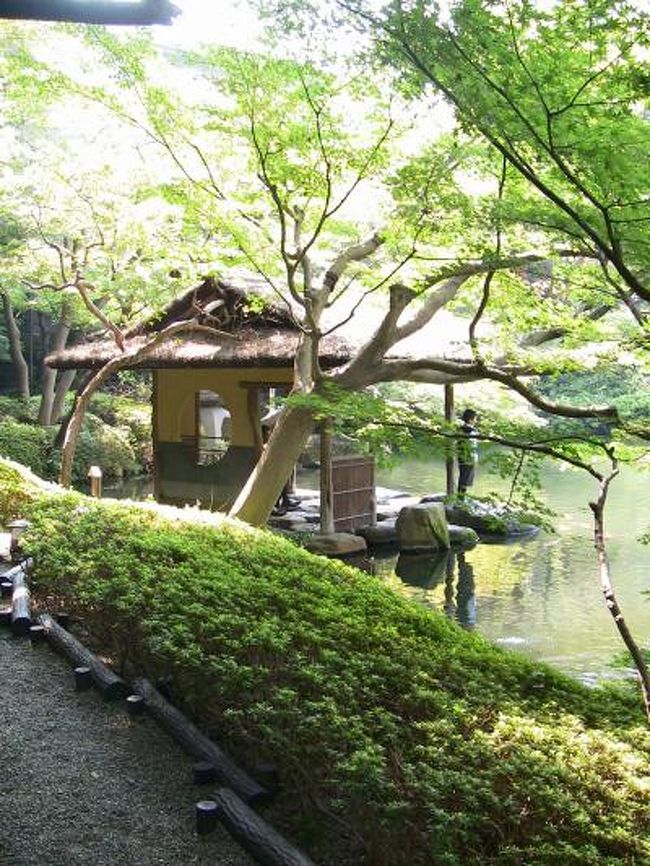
{"x":117,"y":438}
{"x":17,"y":491}
{"x":427,"y":743}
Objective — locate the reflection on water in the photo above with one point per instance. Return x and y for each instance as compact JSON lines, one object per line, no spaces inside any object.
{"x":539,"y":595}
{"x":450,"y":570}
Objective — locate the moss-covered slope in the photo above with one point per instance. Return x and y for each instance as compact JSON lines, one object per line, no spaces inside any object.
{"x":425,"y":742}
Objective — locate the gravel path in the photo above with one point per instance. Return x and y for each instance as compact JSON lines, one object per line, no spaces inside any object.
{"x":82,"y":783}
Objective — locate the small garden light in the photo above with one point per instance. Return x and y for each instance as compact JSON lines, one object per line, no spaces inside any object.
{"x":95,"y":478}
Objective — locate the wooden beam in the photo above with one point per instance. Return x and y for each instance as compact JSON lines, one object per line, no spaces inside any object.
{"x":142,"y":13}
{"x":326,"y":488}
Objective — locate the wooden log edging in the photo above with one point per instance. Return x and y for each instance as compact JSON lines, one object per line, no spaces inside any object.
{"x":21,"y":617}
{"x":197,"y":744}
{"x":107,"y":681}
{"x":254,"y":834}
{"x":19,"y":569}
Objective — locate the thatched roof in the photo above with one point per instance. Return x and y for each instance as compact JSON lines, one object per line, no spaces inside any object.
{"x":232,"y":332}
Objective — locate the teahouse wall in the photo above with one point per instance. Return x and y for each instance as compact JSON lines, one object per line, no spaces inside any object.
{"x":175,"y":399}
{"x":179,"y":476}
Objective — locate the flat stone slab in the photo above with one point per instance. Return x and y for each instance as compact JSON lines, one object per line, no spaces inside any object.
{"x":336,"y":544}
{"x":383,"y":533}
{"x":288,"y":521}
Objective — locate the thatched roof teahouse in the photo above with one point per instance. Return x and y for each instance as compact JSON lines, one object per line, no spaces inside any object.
{"x":209,"y":386}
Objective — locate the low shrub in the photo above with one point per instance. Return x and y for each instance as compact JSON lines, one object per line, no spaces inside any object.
{"x":118,"y":438}
{"x":17,"y":492}
{"x":398,"y":729}
{"x":28,"y":444}
{"x":134,"y":421}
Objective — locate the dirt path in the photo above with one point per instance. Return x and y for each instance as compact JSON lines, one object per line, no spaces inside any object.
{"x":82,"y":784}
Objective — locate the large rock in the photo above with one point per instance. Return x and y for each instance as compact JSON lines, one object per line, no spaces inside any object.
{"x":462,"y":536}
{"x":423,"y":527}
{"x":337,"y":544}
{"x":491,"y":522}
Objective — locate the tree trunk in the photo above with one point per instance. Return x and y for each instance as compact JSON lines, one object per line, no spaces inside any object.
{"x":598,"y":509}
{"x":64,"y":383}
{"x":76,"y":420}
{"x":61,"y":334}
{"x":21,"y":369}
{"x":95,"y":381}
{"x":449,"y":460}
{"x":326,"y":492}
{"x":286,"y":443}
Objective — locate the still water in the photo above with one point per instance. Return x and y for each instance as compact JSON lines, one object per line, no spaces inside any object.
{"x":540,"y":596}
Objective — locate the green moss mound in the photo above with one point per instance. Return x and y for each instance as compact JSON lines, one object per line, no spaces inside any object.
{"x":424,"y":742}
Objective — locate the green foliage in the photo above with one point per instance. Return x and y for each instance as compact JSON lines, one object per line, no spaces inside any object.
{"x":16,"y":492}
{"x":104,"y":445}
{"x":131,"y":420}
{"x":27,"y":444}
{"x":625,"y":387}
{"x":118,"y":438}
{"x":433,"y":745}
{"x":523,"y":501}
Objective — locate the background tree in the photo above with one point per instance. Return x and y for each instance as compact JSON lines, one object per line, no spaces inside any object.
{"x":271,"y":156}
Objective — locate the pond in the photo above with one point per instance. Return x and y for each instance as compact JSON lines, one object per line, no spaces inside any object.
{"x":540,"y":596}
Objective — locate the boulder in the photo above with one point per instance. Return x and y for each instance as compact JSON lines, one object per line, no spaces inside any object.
{"x":491,"y":522}
{"x":337,"y":544}
{"x":462,"y":536}
{"x":423,"y":527}
{"x":383,"y":533}
{"x":433,"y":497}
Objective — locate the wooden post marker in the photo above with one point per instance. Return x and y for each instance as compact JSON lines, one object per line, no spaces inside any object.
{"x":83,"y":679}
{"x":135,"y":705}
{"x":21,"y":619}
{"x":207,"y":813}
{"x":204,"y":773}
{"x":95,"y":479}
{"x":37,"y":634}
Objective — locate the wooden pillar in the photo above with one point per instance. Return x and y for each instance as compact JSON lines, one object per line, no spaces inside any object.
{"x":449,"y":463}
{"x":326,"y":488}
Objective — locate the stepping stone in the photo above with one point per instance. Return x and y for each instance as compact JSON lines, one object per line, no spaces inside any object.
{"x":336,"y":544}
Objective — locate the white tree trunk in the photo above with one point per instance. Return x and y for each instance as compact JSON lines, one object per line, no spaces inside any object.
{"x":61,"y":334}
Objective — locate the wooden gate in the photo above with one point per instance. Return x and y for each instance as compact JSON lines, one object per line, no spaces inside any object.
{"x":353,"y":492}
